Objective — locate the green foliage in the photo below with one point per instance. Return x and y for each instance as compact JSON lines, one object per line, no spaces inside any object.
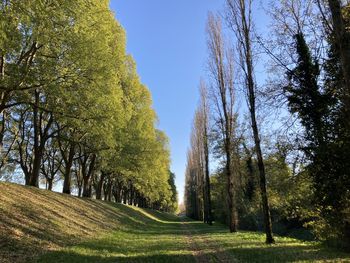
{"x":218,"y":193}
{"x":290,"y":195}
{"x":68,"y":81}
{"x":326,"y":140}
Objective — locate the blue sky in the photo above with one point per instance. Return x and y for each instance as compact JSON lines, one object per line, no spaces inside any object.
{"x":167,"y":39}
{"x":168,"y":42}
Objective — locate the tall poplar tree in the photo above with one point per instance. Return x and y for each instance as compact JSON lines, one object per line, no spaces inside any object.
{"x":239,"y":17}
{"x":222,"y":94}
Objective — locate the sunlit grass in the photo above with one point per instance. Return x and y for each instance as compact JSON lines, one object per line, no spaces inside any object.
{"x":163,"y":240}
{"x":40,"y":226}
{"x":155,"y":242}
{"x":251,"y":247}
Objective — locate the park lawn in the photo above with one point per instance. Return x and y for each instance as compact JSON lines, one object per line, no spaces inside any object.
{"x":42,"y":226}
{"x":248,"y":246}
{"x":146,"y":236}
{"x":160,"y":237}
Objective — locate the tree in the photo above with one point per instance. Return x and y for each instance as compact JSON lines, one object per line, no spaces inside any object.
{"x":204,"y":115}
{"x":173,"y":202}
{"x":342,"y":37}
{"x":72,"y":104}
{"x":240,"y":20}
{"x":51,"y":163}
{"x":223,"y":97}
{"x":192,"y":190}
{"x":51,"y":68}
{"x":325,"y":135}
{"x":304,"y":96}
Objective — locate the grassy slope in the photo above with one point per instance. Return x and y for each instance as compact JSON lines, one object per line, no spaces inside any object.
{"x":33,"y":221}
{"x":37,"y":222}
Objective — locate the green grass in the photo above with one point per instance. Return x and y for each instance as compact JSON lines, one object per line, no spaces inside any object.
{"x":146,"y":236}
{"x":250,"y":247}
{"x":41,"y":226}
{"x":156,"y":237}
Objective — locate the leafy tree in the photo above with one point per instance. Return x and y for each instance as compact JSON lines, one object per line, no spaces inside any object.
{"x":326,"y":138}
{"x":72,"y":104}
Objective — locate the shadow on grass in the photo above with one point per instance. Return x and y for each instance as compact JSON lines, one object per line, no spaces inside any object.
{"x":133,"y":234}
{"x":33,"y":220}
{"x":163,"y":251}
{"x":275,"y":253}
{"x":144,"y":236}
{"x":160,"y":238}
{"x":71,"y":257}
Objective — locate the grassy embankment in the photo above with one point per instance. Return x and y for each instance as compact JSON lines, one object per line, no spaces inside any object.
{"x":41,"y":226}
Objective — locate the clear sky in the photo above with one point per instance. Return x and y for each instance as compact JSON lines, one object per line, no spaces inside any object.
{"x":168,"y":41}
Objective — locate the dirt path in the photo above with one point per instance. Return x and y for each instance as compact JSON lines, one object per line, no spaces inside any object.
{"x":203,"y":249}
{"x":197,"y":251}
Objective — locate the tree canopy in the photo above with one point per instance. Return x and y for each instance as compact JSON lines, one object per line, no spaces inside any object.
{"x":73,"y":109}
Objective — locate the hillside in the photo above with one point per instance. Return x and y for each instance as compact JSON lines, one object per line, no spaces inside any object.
{"x":41,"y":226}
{"x":33,"y":221}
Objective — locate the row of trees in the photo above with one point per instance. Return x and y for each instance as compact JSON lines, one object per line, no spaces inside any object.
{"x":292,"y":140}
{"x":197,"y":194}
{"x":73,"y":108}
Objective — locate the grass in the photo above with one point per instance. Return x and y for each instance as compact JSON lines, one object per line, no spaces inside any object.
{"x":39,"y":226}
{"x":147,"y":238}
{"x":250,"y":247}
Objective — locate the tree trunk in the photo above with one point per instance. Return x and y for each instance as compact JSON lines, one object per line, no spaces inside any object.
{"x":109,"y":191}
{"x":231,"y":193}
{"x":229,"y":173}
{"x":115,"y":194}
{"x":263,"y":190}
{"x":205,"y":207}
{"x":105,"y":191}
{"x":208,"y":199}
{"x":67,"y":170}
{"x":343,"y":45}
{"x":49,"y":182}
{"x":80,"y":190}
{"x":2,"y":127}
{"x":27,"y":176}
{"x":117,"y":189}
{"x":125,"y":195}
{"x":138,"y":201}
{"x":131,"y":192}
{"x":136,"y":198}
{"x":38,"y":155}
{"x":36,"y":148}
{"x":209,"y":219}
{"x":87,"y":172}
{"x":261,"y":165}
{"x":2,"y":108}
{"x":40,"y":139}
{"x":90,"y":189}
{"x":86,"y":186}
{"x":2,"y":65}
{"x":99,"y":186}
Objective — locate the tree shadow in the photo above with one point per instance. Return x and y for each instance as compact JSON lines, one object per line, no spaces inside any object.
{"x":287,"y":253}
{"x":34,"y":221}
{"x":71,"y":257}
